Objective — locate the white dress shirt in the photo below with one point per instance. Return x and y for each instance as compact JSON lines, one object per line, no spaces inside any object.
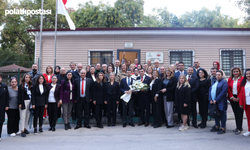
{"x":235,"y":87}
{"x":41,"y":88}
{"x":71,"y":88}
{"x":93,"y":77}
{"x":247,"y":93}
{"x":52,"y":94}
{"x":182,"y":72}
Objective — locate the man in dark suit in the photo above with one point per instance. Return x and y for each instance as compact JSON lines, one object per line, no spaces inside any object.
{"x":34,"y":73}
{"x":181,"y":70}
{"x":194,"y":83}
{"x":127,"y":107}
{"x":83,"y":96}
{"x":76,"y":74}
{"x":196,"y":67}
{"x":144,"y":99}
{"x":72,"y":66}
{"x":61,"y":76}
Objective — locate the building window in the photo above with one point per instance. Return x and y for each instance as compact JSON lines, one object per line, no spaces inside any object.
{"x":102,"y":57}
{"x":232,"y":58}
{"x":182,"y":56}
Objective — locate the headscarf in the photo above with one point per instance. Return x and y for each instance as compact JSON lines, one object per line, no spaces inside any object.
{"x":218,"y":64}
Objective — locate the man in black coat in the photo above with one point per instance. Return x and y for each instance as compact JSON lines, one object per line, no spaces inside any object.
{"x":4,"y":102}
{"x":194,"y":83}
{"x":83,"y":96}
{"x":144,"y":99}
{"x":61,"y":76}
{"x":196,"y":67}
{"x":76,"y":74}
{"x":34,"y":73}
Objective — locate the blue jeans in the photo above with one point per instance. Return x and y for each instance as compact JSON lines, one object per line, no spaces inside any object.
{"x":222,"y":119}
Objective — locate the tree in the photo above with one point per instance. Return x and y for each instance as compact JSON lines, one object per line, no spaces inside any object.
{"x":15,"y":39}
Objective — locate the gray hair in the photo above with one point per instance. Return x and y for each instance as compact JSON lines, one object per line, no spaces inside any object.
{"x":83,"y":70}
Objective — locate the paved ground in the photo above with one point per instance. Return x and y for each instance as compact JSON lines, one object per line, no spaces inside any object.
{"x":145,"y":138}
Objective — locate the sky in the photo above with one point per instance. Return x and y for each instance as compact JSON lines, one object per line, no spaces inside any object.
{"x":177,"y":7}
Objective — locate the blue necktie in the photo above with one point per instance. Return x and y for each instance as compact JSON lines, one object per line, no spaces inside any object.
{"x":128,"y":81}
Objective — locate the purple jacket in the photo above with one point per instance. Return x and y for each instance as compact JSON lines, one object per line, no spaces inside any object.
{"x":65,"y":92}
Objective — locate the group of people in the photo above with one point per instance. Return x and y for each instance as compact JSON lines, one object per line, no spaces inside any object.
{"x":95,"y":91}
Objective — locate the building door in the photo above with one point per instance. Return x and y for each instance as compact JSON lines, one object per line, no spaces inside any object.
{"x":130,"y":55}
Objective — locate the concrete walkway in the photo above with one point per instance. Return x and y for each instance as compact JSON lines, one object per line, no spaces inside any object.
{"x":129,"y":138}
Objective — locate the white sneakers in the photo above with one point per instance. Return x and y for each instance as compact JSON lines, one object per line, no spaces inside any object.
{"x":19,"y":132}
{"x":183,"y":128}
{"x":12,"y":134}
{"x":246,"y":134}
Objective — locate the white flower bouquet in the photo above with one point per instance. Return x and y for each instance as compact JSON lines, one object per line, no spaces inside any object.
{"x":138,"y":86}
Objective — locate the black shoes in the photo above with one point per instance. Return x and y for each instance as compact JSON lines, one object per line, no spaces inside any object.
{"x":50,"y":129}
{"x":69,"y":127}
{"x":77,"y":127}
{"x":99,"y":126}
{"x":214,"y":129}
{"x":41,"y":130}
{"x":26,"y":131}
{"x":146,"y":124}
{"x":23,"y":134}
{"x":221,"y":131}
{"x":195,"y":126}
{"x":66,"y":126}
{"x":131,"y":124}
{"x":109,"y":124}
{"x":156,"y":126}
{"x":53,"y":129}
{"x":87,"y":126}
{"x":35,"y":131}
{"x":168,"y":126}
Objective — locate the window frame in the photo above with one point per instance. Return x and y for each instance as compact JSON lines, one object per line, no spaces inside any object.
{"x":243,"y":57}
{"x":193,"y":55}
{"x":100,"y":51}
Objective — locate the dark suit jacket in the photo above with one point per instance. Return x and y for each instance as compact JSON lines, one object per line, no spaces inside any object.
{"x":21,"y":96}
{"x":88,"y":90}
{"x":124,"y":86}
{"x":99,"y":93}
{"x":113,"y":89}
{"x":88,"y":75}
{"x":60,"y":78}
{"x":57,"y":91}
{"x":221,"y":94}
{"x":34,"y":77}
{"x":146,"y":80}
{"x":4,"y":101}
{"x":37,"y":98}
{"x":155,"y":90}
{"x":194,"y":83}
{"x":76,"y":75}
{"x":183,"y":95}
{"x":170,"y":93}
{"x":177,"y":74}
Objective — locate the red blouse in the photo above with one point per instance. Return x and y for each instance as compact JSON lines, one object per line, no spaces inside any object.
{"x":47,"y":78}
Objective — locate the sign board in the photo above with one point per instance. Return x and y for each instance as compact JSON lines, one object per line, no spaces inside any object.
{"x":128,"y":45}
{"x":154,"y":55}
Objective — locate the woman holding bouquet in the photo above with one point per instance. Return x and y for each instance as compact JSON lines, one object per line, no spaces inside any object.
{"x":144,"y":99}
{"x":183,"y":100}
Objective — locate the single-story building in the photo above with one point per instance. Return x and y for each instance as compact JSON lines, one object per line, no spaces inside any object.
{"x":229,"y":46}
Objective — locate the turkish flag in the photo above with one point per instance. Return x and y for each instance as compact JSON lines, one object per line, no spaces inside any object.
{"x":64,"y":2}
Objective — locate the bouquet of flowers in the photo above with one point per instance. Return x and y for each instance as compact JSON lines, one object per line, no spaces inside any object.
{"x":138,"y":85}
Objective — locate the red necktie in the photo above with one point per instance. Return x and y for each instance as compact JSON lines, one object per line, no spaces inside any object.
{"x":189,"y":78}
{"x":82,"y":86}
{"x":141,"y":78}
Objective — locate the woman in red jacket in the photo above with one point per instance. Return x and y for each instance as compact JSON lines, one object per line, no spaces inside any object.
{"x":234,"y":84}
{"x":245,"y":98}
{"x":48,"y":77}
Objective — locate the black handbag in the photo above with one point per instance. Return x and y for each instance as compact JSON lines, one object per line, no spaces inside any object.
{"x":214,"y":111}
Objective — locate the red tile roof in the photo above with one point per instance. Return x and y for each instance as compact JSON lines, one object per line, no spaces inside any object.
{"x":14,"y":68}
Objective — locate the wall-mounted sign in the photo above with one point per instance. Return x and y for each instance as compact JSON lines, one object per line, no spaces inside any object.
{"x":154,"y":55}
{"x":128,"y":45}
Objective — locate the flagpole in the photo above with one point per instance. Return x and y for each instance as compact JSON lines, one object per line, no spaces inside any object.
{"x":41,"y":29}
{"x":55,"y":34}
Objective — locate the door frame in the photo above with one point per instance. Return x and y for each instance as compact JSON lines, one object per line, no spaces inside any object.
{"x":130,"y":50}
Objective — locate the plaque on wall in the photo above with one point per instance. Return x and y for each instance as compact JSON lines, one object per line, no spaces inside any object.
{"x":154,"y":55}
